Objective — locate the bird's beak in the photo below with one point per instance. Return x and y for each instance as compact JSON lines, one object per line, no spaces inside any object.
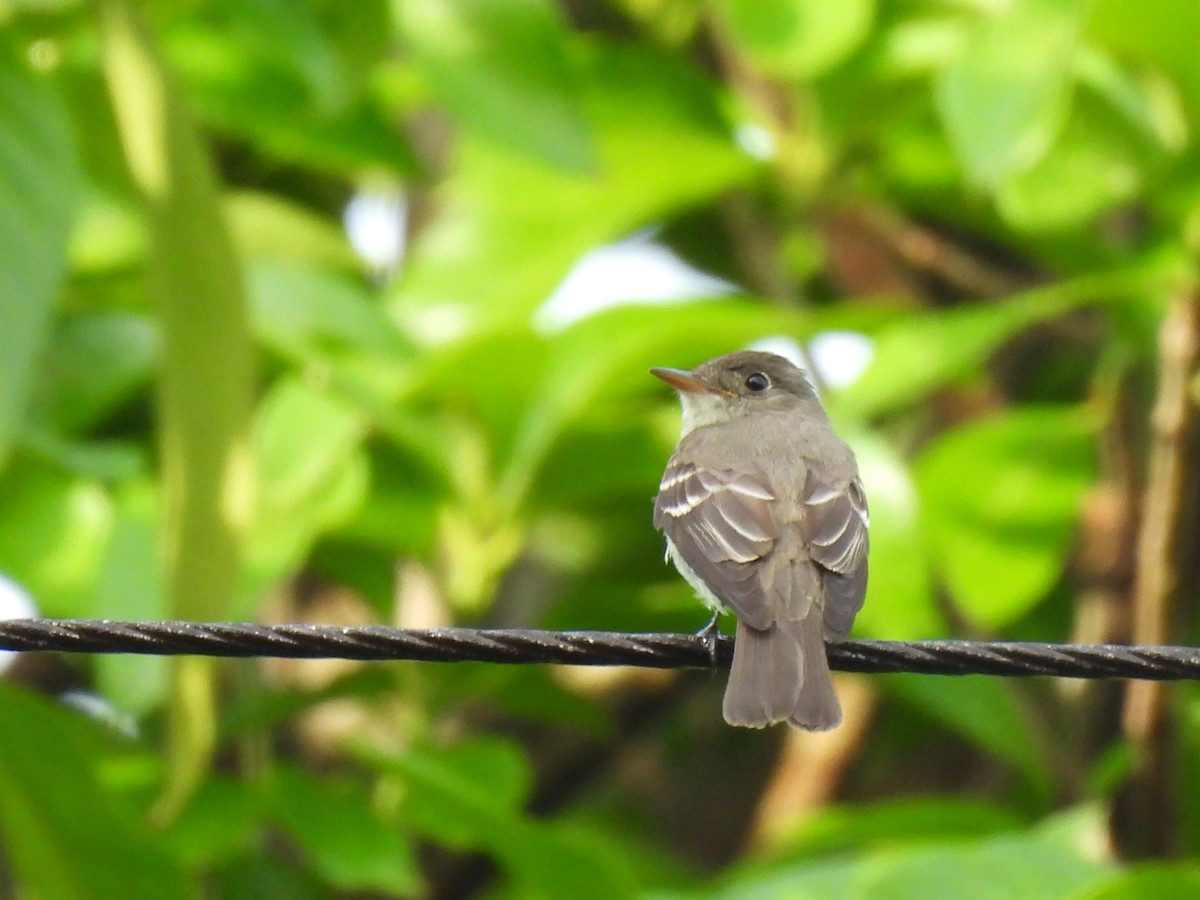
{"x":682,"y":380}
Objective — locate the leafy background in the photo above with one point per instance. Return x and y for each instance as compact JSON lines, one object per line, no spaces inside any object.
{"x":213,"y":407}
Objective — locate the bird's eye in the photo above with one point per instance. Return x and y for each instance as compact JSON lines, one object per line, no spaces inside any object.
{"x":757,"y":382}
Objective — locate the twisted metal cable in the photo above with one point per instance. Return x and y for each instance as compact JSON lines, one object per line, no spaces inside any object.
{"x":584,"y":648}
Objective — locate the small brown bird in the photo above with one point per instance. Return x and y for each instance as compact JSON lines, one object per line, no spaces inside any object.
{"x":765,"y":515}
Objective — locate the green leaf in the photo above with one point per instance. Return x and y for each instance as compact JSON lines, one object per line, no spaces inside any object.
{"x":900,"y":602}
{"x":1006,"y":97}
{"x":830,"y":855}
{"x":579,"y":382}
{"x":462,"y":795}
{"x":317,"y":315}
{"x":254,"y":876}
{"x":535,"y":693}
{"x":469,"y":796}
{"x":268,"y":74}
{"x":604,"y":456}
{"x":270,"y":227}
{"x":488,"y":380}
{"x":501,"y":68}
{"x":302,"y":434}
{"x":313,"y":475}
{"x":906,"y":820}
{"x":399,"y":516}
{"x":53,"y":528}
{"x":207,"y":367}
{"x":297,"y":44}
{"x":1147,"y":881}
{"x":129,"y":585}
{"x":984,"y":711}
{"x":1000,"y":499}
{"x":919,"y":353}
{"x":221,"y":819}
{"x":39,"y":188}
{"x":44,"y":6}
{"x":1149,"y":105}
{"x":820,"y":879}
{"x":1043,"y":862}
{"x":1046,"y":862}
{"x":64,"y":836}
{"x":107,"y":461}
{"x":509,"y":231}
{"x":109,"y":234}
{"x":1155,"y":34}
{"x":797,"y":38}
{"x":348,"y":846}
{"x":1097,"y":163}
{"x":94,"y":363}
{"x":562,"y":861}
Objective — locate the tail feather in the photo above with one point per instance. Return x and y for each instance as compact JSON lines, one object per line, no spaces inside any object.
{"x":817,"y":708}
{"x":780,"y":673}
{"x":764,"y":681}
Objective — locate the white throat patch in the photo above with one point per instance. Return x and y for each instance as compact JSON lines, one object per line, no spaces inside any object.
{"x":700,"y":410}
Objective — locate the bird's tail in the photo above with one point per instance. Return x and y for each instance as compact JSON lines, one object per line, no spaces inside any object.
{"x":780,"y":673}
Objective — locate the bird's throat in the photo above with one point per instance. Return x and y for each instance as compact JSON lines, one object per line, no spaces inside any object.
{"x":700,"y":410}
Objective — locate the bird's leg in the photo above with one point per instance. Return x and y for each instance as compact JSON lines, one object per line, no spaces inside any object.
{"x":710,"y":634}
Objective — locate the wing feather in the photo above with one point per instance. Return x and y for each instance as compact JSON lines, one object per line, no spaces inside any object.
{"x":720,"y":522}
{"x":835,"y":527}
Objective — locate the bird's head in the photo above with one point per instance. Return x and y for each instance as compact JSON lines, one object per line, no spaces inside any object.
{"x":738,"y":384}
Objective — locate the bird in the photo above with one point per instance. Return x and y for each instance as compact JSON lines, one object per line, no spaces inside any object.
{"x":765,"y":516}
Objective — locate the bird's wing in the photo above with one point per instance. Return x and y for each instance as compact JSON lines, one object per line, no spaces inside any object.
{"x":720,"y":522}
{"x":835,"y":530}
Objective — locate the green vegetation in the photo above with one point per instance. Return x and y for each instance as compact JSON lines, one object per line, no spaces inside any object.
{"x":212,"y":408}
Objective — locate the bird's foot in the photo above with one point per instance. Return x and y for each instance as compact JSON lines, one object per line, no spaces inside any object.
{"x":711,"y":634}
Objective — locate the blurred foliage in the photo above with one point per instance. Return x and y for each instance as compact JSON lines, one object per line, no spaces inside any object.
{"x":212,"y":405}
